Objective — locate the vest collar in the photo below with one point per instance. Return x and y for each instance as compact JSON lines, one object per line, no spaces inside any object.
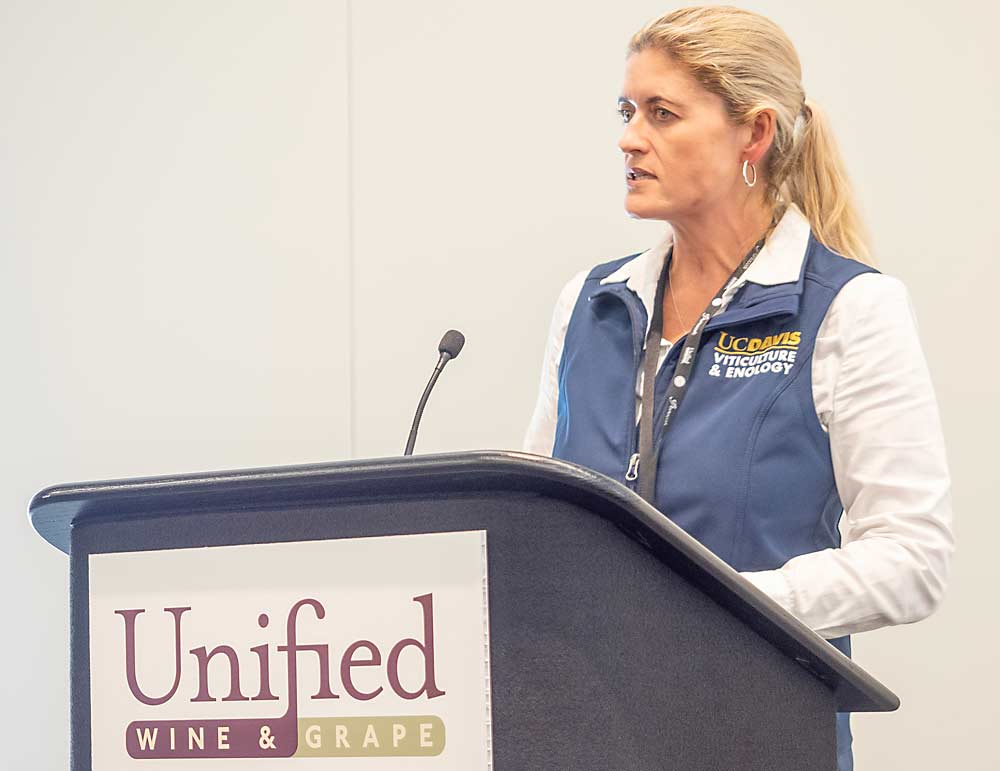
{"x":779,"y":262}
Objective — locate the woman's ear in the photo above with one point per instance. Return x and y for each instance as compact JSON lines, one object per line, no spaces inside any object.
{"x":762,"y":129}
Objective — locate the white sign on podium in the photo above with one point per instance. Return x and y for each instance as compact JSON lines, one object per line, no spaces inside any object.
{"x":366,"y":653}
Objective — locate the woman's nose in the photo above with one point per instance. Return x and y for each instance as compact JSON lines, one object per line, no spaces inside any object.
{"x":632,"y":139}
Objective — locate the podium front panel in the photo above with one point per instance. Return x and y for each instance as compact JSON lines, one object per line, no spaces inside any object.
{"x":601,"y":657}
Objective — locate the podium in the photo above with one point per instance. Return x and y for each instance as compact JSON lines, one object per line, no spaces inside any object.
{"x":616,"y":641}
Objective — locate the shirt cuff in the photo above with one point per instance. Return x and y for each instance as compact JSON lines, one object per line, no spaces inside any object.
{"x":775,"y":584}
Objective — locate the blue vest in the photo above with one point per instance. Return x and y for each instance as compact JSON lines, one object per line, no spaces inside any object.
{"x":746,"y":466}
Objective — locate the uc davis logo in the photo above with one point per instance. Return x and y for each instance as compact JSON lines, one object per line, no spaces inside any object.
{"x":744,"y":357}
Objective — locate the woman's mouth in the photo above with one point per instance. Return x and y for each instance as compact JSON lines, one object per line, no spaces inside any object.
{"x":637,"y":175}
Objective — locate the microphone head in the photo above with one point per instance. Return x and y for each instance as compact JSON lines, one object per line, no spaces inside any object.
{"x":452,"y":343}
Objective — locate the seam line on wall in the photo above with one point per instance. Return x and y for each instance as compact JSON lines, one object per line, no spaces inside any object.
{"x":351,"y":283}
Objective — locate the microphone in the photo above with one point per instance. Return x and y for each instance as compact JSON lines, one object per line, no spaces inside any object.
{"x":449,"y":348}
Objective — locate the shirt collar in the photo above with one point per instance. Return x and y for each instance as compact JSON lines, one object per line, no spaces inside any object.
{"x":779,"y":262}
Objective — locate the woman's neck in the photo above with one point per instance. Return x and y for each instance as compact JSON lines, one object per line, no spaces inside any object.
{"x":709,"y":246}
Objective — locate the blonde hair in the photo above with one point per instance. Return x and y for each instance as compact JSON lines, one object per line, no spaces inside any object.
{"x":748,"y":61}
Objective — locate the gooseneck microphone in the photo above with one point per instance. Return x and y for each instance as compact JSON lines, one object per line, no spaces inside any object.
{"x":449,"y":348}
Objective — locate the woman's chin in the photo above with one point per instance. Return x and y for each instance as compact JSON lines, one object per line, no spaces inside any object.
{"x":643,"y":210}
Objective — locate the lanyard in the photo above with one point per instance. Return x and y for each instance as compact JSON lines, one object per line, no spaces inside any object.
{"x":648,"y":455}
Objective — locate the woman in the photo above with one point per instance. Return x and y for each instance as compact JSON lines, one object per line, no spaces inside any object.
{"x":791,"y":391}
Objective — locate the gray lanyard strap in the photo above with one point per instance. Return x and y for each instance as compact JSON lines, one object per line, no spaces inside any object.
{"x":648,"y":456}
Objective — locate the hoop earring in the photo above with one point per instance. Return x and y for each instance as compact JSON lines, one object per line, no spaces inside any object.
{"x":749,"y":183}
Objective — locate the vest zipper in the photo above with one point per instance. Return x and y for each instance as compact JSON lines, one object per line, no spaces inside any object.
{"x":638,"y":326}
{"x":633,"y":468}
{"x":626,"y":297}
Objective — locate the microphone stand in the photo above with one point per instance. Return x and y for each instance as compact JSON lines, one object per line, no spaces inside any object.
{"x":412,"y":439}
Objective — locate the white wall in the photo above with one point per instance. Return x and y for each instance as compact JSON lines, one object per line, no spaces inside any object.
{"x":233,"y":233}
{"x":175,"y":263}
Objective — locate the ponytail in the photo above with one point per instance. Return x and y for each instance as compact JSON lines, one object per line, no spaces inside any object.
{"x":817,"y":183}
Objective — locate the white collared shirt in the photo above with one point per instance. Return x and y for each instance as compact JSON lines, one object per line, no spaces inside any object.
{"x":873,"y":395}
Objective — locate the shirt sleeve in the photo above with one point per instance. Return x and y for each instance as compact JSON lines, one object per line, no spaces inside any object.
{"x":874,"y":396}
{"x":541,"y":432}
